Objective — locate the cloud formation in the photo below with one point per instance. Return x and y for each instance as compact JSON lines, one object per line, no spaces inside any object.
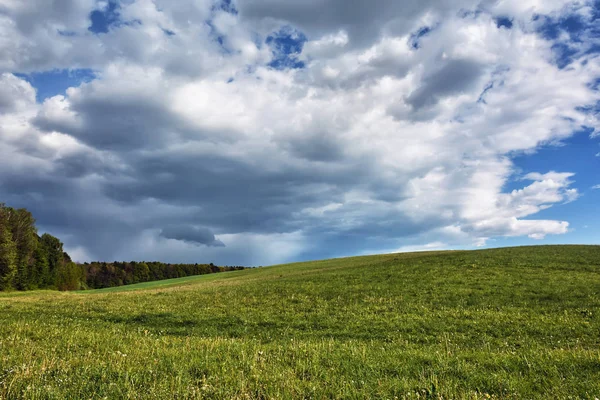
{"x":191,"y":234}
{"x":359,"y":130}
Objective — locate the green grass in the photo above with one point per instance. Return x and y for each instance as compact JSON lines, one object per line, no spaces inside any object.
{"x":160,"y":284}
{"x":502,"y":323}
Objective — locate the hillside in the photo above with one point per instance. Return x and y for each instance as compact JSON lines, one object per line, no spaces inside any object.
{"x":502,"y":323}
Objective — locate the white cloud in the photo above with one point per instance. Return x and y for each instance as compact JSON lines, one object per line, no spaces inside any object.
{"x":16,"y":95}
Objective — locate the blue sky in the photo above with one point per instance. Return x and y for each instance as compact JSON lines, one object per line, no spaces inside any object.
{"x":257,"y":132}
{"x":578,"y":155}
{"x":56,"y":82}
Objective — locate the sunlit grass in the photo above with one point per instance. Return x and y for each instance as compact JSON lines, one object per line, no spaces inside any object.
{"x":519,"y":322}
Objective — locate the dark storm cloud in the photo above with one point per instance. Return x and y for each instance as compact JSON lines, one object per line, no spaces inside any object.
{"x":235,"y":195}
{"x":118,"y":124}
{"x":33,"y":184}
{"x":316,"y":147}
{"x":363,"y":20}
{"x":77,"y":165}
{"x":66,"y":208}
{"x":39,"y":14}
{"x":454,"y":77}
{"x":191,"y":234}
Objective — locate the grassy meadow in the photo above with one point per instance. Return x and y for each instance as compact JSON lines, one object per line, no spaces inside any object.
{"x":502,"y":323}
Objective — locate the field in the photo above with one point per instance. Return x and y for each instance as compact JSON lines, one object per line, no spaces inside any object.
{"x":503,"y":323}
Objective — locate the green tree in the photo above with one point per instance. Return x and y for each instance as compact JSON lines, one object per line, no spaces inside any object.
{"x":8,"y":252}
{"x":55,"y":254}
{"x":24,"y":233}
{"x":41,"y":269}
{"x":141,"y":272}
{"x":69,"y":276}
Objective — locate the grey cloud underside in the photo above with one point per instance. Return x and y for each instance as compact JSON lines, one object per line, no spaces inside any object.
{"x":79,"y":165}
{"x":454,"y":77}
{"x":363,"y":20}
{"x":41,"y":13}
{"x":191,"y":234}
{"x":318,"y":146}
{"x":231,"y":194}
{"x":119,"y":124}
{"x":66,"y":206}
{"x":7,"y":103}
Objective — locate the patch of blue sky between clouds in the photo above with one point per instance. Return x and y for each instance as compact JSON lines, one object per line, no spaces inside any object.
{"x":286,"y":46}
{"x":107,"y":17}
{"x":227,"y":6}
{"x":415,"y":37}
{"x":552,"y":28}
{"x":592,"y":109}
{"x":56,"y":82}
{"x":504,"y":22}
{"x":102,"y":19}
{"x":582,"y":34}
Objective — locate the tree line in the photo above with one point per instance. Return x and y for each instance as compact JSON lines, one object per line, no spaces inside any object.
{"x":99,"y":275}
{"x":29,"y":261}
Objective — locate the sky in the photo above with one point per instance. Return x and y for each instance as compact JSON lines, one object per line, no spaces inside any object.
{"x":255,"y":132}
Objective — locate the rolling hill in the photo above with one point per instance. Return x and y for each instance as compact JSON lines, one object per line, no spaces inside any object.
{"x":501,"y":323}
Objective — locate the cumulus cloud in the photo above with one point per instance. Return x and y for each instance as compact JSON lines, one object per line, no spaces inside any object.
{"x":15,"y":94}
{"x":289,"y":129}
